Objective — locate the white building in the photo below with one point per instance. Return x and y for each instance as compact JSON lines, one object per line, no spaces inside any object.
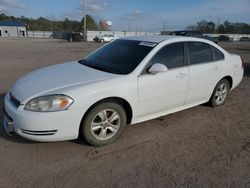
{"x":12,"y":29}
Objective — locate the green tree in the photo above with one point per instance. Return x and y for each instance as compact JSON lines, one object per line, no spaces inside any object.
{"x":45,"y":24}
{"x":221,"y":29}
{"x":229,"y":27}
{"x":91,"y":24}
{"x":191,"y":28}
{"x":226,"y":27}
{"x":205,"y":27}
{"x":4,"y":17}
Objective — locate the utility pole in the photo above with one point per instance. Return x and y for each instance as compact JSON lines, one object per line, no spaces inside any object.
{"x":85,"y":19}
{"x":218,"y":24}
{"x":164,"y":26}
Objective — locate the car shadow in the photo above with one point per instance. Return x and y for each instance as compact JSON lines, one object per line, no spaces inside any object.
{"x":247,"y":69}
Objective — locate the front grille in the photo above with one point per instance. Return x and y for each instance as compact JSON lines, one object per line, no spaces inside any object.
{"x":14,"y":101}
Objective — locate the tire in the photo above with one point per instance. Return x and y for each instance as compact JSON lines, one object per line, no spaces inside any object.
{"x":102,"y":40}
{"x":220,"y":93}
{"x":104,"y":123}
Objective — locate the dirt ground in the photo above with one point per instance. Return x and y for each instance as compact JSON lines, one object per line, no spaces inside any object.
{"x":198,"y":147}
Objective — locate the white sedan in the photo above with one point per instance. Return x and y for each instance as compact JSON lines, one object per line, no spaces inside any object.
{"x":106,"y":38}
{"x":128,"y":81}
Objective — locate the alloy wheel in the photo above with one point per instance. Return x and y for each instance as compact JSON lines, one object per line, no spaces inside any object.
{"x":105,"y":124}
{"x":221,"y":93}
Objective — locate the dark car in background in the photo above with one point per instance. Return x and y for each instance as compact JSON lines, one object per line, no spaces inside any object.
{"x":224,"y":38}
{"x":197,"y":34}
{"x":75,"y":37}
{"x":244,"y":39}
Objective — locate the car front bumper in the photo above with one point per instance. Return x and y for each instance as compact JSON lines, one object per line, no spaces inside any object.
{"x":41,"y":126}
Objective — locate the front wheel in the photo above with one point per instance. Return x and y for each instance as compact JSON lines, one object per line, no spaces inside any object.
{"x":104,"y":123}
{"x":220,"y":93}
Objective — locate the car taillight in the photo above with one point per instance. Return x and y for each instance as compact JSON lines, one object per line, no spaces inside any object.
{"x":242,"y":63}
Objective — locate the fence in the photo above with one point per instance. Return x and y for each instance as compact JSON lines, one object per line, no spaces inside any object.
{"x":91,"y":34}
{"x":48,"y":34}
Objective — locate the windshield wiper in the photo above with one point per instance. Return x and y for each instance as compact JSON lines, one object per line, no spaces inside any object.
{"x":82,"y":61}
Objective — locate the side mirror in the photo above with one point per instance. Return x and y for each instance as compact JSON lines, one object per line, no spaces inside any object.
{"x":157,"y":67}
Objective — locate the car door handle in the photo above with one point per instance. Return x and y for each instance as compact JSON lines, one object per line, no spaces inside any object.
{"x":215,"y":68}
{"x":181,"y":75}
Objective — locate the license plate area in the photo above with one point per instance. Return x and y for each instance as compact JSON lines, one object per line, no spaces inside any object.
{"x":8,"y":124}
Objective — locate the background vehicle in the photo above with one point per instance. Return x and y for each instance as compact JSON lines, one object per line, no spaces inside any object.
{"x":97,"y":38}
{"x":75,"y":37}
{"x":197,"y":34}
{"x":244,"y":39}
{"x":105,"y":38}
{"x":225,"y":38}
{"x":125,"y":82}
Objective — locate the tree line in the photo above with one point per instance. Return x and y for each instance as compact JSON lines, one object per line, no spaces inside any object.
{"x":225,"y":28}
{"x":45,"y":24}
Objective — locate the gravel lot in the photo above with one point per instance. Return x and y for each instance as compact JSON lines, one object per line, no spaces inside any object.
{"x":198,"y":147}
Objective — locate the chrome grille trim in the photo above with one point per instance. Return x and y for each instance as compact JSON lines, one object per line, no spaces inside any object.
{"x":39,"y":133}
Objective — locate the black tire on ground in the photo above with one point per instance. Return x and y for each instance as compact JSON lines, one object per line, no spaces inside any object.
{"x":223,"y":86}
{"x":91,"y":116}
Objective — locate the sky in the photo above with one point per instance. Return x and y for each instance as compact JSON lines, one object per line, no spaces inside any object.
{"x":136,"y":15}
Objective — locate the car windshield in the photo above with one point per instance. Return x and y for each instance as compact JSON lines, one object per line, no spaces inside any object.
{"x":118,"y":57}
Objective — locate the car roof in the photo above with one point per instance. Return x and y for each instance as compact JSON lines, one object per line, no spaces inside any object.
{"x":153,"y":38}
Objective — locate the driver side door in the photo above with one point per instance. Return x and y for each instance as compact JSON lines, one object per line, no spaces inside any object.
{"x":163,"y":91}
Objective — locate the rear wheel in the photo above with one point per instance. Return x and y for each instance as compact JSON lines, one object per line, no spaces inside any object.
{"x":104,"y":123}
{"x":220,"y":93}
{"x":102,"y":40}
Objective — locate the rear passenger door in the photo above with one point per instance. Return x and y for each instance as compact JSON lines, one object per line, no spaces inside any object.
{"x":201,"y":81}
{"x":218,"y":65}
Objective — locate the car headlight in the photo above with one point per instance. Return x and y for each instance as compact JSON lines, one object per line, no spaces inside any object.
{"x":50,"y":103}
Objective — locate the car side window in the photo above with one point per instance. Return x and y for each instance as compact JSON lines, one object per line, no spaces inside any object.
{"x":217,"y":54}
{"x":199,"y":53}
{"x":171,"y":55}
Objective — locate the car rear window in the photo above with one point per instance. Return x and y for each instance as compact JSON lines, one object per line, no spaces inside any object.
{"x":199,"y":53}
{"x":217,"y":54}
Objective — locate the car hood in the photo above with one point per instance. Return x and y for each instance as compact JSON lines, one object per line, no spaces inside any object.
{"x":52,"y":78}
